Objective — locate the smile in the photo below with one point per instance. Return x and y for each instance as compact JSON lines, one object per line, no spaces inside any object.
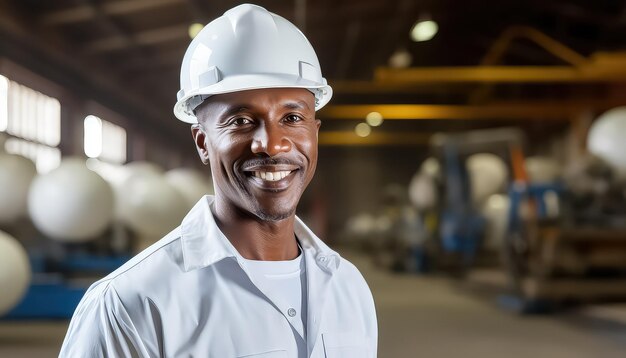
{"x":272,"y":176}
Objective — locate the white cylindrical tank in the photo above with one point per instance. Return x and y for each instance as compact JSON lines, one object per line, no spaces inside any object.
{"x":606,"y":139}
{"x":133,"y":169}
{"x":423,"y":191}
{"x":190,"y":183}
{"x":150,"y":205}
{"x":496,"y":213}
{"x":15,"y":272}
{"x":543,"y":169}
{"x":16,"y":175}
{"x":488,"y":175}
{"x":126,"y":176}
{"x":71,"y":203}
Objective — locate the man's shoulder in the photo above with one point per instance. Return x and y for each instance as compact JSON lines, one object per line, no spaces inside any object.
{"x":349,"y":274}
{"x":346,"y":267}
{"x":354,"y":289}
{"x":156,"y":263}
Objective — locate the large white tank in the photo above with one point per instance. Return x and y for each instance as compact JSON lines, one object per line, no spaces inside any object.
{"x":488,"y":175}
{"x":150,"y":205}
{"x":15,"y":272}
{"x":191,"y":183}
{"x":606,"y":139}
{"x":543,"y":169}
{"x":16,"y":175}
{"x":71,"y":203}
{"x":134,"y":169}
{"x":496,"y":213}
{"x":423,"y":191}
{"x":124,"y":179}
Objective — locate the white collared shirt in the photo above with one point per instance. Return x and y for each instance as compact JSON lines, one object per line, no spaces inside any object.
{"x":191,"y":295}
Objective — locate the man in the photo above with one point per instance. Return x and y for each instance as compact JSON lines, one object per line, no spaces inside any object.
{"x":242,"y":276}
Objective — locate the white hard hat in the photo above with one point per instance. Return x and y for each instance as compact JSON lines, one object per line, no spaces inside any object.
{"x":247,"y":48}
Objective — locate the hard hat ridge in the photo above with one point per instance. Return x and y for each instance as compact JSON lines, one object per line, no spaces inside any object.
{"x":247,"y":48}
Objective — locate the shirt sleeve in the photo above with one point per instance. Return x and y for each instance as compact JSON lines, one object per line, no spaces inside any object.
{"x":101,"y":327}
{"x":373,"y":327}
{"x":369,"y":312}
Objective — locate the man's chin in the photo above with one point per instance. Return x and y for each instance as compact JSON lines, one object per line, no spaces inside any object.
{"x":272,"y":216}
{"x":274,"y":208}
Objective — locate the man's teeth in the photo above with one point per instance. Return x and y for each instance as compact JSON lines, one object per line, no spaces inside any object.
{"x":271,"y":176}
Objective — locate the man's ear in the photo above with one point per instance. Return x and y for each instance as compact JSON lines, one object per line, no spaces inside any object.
{"x":199,"y":137}
{"x":318,"y":123}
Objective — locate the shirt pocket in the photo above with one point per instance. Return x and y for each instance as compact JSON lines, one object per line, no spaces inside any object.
{"x":345,"y":345}
{"x":270,"y":354}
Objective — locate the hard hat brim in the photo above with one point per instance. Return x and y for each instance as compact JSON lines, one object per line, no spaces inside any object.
{"x":322,"y":91}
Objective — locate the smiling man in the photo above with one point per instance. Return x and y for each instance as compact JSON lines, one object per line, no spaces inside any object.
{"x":241,"y":276}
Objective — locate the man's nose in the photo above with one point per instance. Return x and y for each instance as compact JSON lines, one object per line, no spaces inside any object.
{"x":270,"y":140}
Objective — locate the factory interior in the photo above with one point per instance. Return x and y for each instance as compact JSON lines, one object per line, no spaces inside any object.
{"x":471,"y":163}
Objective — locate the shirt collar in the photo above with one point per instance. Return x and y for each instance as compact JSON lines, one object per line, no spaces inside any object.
{"x":204,"y":244}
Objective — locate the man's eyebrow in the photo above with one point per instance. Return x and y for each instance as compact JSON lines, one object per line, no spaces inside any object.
{"x":296,"y":105}
{"x":234,"y":109}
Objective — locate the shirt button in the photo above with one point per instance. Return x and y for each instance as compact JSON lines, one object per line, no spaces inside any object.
{"x":322,"y":259}
{"x":291,"y":312}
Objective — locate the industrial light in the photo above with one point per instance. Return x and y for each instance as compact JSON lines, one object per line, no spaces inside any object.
{"x":362,"y":130}
{"x":374,"y":119}
{"x":194,"y":29}
{"x":424,"y":30}
{"x":400,"y":59}
{"x":4,"y":104}
{"x":93,"y":136}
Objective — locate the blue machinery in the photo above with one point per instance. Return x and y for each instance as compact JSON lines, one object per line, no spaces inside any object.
{"x":515,"y":248}
{"x":461,"y":228}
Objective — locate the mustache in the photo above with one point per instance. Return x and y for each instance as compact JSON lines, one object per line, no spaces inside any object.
{"x":269,"y":161}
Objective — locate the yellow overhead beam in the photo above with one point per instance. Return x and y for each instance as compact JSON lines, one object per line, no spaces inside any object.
{"x":349,"y":138}
{"x":521,"y":111}
{"x":506,"y":38}
{"x":511,"y":74}
{"x":373,"y":87}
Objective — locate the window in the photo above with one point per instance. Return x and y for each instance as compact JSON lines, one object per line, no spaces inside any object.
{"x":104,"y":140}
{"x":33,"y":120}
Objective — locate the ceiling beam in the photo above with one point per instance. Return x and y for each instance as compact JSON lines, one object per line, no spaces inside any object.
{"x":86,"y":78}
{"x":349,"y":138}
{"x":510,"y":74}
{"x":85,"y":12}
{"x":144,"y":38}
{"x":385,"y":87}
{"x":556,"y":111}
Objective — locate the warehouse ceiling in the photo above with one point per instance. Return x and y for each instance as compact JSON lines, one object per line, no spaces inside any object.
{"x":136,"y":46}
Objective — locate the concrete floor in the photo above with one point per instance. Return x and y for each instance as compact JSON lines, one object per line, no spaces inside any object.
{"x":425,"y":317}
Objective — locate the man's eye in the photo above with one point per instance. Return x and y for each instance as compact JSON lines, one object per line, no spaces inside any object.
{"x":293,"y":118}
{"x":241,"y":121}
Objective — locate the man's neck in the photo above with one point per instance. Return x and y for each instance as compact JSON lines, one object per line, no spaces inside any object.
{"x":254,"y":238}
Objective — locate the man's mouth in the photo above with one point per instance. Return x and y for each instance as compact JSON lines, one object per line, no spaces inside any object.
{"x":272,"y":176}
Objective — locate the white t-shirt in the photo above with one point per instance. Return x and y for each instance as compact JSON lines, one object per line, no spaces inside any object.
{"x":284,"y":282}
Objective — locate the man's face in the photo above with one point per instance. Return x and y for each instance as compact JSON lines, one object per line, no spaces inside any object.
{"x":262,"y":148}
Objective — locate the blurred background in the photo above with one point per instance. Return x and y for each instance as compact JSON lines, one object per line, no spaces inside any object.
{"x":472,"y":163}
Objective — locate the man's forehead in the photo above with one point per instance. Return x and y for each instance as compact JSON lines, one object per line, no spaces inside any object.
{"x":265,"y":95}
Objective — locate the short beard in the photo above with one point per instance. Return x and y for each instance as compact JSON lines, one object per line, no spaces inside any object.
{"x":273,"y":217}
